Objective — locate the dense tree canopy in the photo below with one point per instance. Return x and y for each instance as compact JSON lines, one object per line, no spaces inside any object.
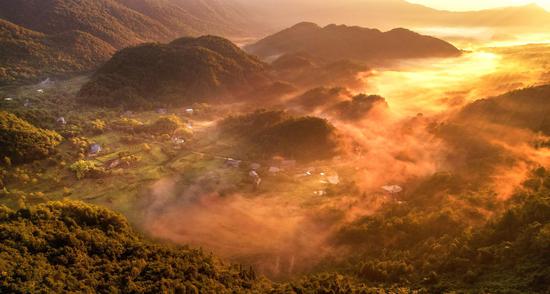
{"x":23,"y":142}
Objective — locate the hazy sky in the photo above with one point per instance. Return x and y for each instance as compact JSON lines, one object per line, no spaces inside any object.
{"x":477,"y":4}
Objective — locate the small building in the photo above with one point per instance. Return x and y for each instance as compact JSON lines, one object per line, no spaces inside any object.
{"x":320,"y":193}
{"x":40,"y":91}
{"x":190,"y":111}
{"x":274,"y":170}
{"x":392,"y":189}
{"x":8,"y":99}
{"x":230,"y":162}
{"x":178,"y":141}
{"x":114,"y":164}
{"x":255,"y":166}
{"x":162,"y":111}
{"x":333,"y":180}
{"x":61,"y":120}
{"x":27,"y":103}
{"x":95,"y":149}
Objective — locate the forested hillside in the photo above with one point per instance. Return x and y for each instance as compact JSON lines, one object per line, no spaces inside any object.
{"x":27,"y":55}
{"x":186,"y":70}
{"x":126,"y":22}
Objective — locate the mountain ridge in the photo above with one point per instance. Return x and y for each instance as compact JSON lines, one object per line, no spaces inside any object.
{"x":334,"y":42}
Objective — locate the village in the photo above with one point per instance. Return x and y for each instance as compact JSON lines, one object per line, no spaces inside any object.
{"x":110,"y":165}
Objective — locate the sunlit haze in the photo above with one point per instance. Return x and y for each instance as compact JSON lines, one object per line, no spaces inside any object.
{"x":476,"y":5}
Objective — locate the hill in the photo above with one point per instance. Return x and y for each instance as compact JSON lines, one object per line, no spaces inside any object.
{"x":336,"y":42}
{"x":184,"y":71}
{"x":277,"y":133}
{"x":126,"y":22}
{"x":527,"y":108}
{"x":22,"y":142}
{"x":27,"y":55}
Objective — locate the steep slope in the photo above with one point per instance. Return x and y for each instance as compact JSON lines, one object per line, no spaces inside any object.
{"x":28,"y":55}
{"x":126,"y":22}
{"x":184,"y":71}
{"x":342,"y":42}
{"x":527,"y":108}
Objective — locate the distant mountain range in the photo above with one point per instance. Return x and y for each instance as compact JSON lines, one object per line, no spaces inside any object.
{"x":388,"y":14}
{"x":337,"y":42}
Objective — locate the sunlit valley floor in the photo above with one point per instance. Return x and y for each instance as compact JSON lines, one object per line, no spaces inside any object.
{"x":426,"y":188}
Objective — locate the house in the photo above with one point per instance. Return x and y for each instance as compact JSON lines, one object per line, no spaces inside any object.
{"x":178,"y":141}
{"x":190,"y":111}
{"x":230,"y":162}
{"x":8,"y":99}
{"x":40,"y":91}
{"x":95,"y":149}
{"x":392,"y":189}
{"x":320,"y":193}
{"x":61,"y":120}
{"x":333,"y":180}
{"x":114,"y":164}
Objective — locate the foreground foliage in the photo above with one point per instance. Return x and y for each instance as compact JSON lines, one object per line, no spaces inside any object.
{"x":72,"y":246}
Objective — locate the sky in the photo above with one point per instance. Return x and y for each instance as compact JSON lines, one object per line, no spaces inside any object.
{"x":478,"y":4}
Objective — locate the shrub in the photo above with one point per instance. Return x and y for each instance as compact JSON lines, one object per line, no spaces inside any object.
{"x":86,"y":169}
{"x":165,"y":125}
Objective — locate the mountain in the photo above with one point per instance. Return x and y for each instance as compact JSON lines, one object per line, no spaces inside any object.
{"x":387,"y":14}
{"x":126,"y":22}
{"x":336,"y":42}
{"x":184,"y":71}
{"x":27,"y":55}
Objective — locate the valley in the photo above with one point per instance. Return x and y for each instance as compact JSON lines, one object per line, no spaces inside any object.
{"x":318,"y":159}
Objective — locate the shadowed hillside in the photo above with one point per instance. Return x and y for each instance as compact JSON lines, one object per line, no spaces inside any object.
{"x":184,"y":71}
{"x":335,"y":42}
{"x":126,"y":22}
{"x":27,"y":55}
{"x":527,"y":108}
